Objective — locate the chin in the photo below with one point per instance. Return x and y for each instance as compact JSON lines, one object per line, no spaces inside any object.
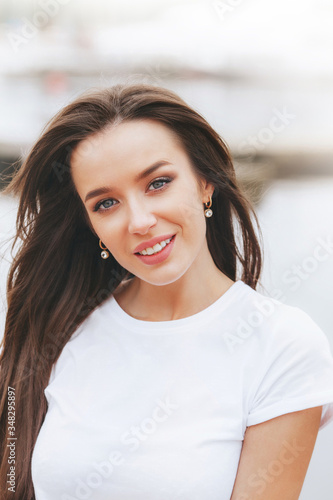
{"x":168,"y":279}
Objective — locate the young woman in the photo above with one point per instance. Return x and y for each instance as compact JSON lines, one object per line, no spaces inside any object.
{"x":139,"y":361}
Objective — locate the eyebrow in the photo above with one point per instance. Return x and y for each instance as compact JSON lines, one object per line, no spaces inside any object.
{"x":139,"y":177}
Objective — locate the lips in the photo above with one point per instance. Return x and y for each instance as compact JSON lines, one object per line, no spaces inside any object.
{"x":159,"y":257}
{"x":152,"y":242}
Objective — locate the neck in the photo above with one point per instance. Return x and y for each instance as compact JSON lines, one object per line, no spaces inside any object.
{"x":198,"y":288}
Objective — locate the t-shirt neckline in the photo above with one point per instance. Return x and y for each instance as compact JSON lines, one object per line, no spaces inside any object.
{"x":198,"y":319}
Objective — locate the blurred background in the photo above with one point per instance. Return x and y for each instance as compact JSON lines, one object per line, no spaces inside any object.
{"x":260,"y":71}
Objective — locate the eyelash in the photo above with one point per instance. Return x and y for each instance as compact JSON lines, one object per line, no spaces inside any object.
{"x":160,"y":179}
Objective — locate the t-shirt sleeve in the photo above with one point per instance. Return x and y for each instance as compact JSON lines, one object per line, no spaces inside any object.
{"x":296,"y":369}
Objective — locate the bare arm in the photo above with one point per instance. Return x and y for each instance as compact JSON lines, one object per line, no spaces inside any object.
{"x":275,"y":456}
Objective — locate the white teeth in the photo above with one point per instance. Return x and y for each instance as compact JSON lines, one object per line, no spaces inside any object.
{"x":156,"y":248}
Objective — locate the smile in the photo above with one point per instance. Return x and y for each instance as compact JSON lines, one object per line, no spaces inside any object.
{"x":158,"y":253}
{"x":156,"y":248}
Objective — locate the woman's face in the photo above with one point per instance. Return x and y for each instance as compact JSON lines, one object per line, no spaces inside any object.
{"x":128,"y":205}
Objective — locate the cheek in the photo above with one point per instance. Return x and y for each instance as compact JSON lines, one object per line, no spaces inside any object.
{"x":190,"y":211}
{"x":114,"y":237}
{"x":101,"y":230}
{"x":189,"y":206}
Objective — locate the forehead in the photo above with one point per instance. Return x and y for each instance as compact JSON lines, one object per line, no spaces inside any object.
{"x":116,"y":155}
{"x":134,"y":142}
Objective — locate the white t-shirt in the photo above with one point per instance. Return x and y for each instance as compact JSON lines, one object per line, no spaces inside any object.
{"x":145,"y":410}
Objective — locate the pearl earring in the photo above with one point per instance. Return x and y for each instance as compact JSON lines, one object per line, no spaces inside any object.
{"x":208,"y":211}
{"x":105,"y":254}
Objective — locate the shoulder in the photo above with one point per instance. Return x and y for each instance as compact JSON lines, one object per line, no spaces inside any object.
{"x":270,"y":323}
{"x":279,"y":314}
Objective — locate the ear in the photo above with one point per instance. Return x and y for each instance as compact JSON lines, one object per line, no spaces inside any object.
{"x":206,"y":189}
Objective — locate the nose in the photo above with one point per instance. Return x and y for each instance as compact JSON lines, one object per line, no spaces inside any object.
{"x":140,"y":218}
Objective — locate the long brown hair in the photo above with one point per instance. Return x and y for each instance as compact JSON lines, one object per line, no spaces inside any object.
{"x":57,"y":277}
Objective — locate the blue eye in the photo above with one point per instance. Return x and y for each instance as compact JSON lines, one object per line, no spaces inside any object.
{"x":157,"y":180}
{"x":101,"y":203}
{"x":100,"y":206}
